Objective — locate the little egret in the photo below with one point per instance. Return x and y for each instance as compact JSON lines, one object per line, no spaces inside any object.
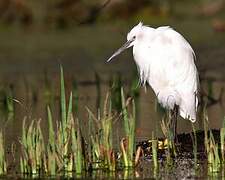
{"x":165,"y":60}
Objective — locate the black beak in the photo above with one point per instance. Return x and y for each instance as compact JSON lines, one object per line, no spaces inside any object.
{"x":121,"y":49}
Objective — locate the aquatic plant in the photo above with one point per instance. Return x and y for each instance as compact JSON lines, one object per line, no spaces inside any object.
{"x":170,"y":151}
{"x":77,"y":151}
{"x":213,"y":155}
{"x":101,"y":137}
{"x":66,"y":150}
{"x":63,"y":151}
{"x":127,"y":143}
{"x":33,"y":148}
{"x":222,"y":139}
{"x":75,"y":95}
{"x":64,"y":146}
{"x":211,"y":147}
{"x":3,"y":167}
{"x":51,"y":146}
{"x":154,"y":151}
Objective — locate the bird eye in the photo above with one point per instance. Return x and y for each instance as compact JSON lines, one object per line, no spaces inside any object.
{"x":134,"y":37}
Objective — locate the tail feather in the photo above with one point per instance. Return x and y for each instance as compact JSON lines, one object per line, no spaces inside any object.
{"x":188,"y":107}
{"x":187,"y":102}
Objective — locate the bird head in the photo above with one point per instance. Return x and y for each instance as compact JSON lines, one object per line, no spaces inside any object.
{"x":131,"y":38}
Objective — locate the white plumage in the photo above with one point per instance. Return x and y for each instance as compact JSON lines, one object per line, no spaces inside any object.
{"x":165,"y":60}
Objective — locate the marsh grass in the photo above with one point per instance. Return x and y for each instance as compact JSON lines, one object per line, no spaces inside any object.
{"x":63,"y":151}
{"x":222,"y":139}
{"x":75,"y":96}
{"x":212,"y":148}
{"x":67,"y":152}
{"x":213,"y":155}
{"x":128,"y":143}
{"x":33,"y":149}
{"x":65,"y":156}
{"x":154,"y":151}
{"x":51,"y":146}
{"x":78,"y":158}
{"x":100,"y":127}
{"x":170,"y":151}
{"x":3,"y":167}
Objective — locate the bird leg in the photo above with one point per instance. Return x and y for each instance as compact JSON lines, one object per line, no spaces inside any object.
{"x":173,"y":122}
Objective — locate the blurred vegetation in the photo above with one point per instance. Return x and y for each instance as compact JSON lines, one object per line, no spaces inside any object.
{"x":63,"y":13}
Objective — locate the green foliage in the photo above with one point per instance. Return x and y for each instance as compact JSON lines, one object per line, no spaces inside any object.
{"x":51,"y":147}
{"x":33,"y":149}
{"x":66,"y":149}
{"x":154,"y":151}
{"x":129,"y":128}
{"x":171,"y":151}
{"x":222,"y":139}
{"x":211,"y":148}
{"x":213,"y":155}
{"x":3,"y":168}
{"x":77,"y":148}
{"x":63,"y":151}
{"x":101,"y":137}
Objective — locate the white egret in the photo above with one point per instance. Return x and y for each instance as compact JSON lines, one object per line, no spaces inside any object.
{"x":165,"y":60}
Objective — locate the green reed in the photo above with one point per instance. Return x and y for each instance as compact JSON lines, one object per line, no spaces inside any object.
{"x":63,"y":123}
{"x":64,"y":146}
{"x":63,"y":151}
{"x":75,"y":96}
{"x":66,"y":132}
{"x":3,"y":167}
{"x":154,"y":151}
{"x":168,"y":134}
{"x":213,"y":155}
{"x":33,"y":148}
{"x":222,"y":139}
{"x":94,"y":146}
{"x":107,"y":137}
{"x":103,"y":155}
{"x":129,"y":128}
{"x":77,"y":151}
{"x":51,"y":146}
{"x":211,"y":147}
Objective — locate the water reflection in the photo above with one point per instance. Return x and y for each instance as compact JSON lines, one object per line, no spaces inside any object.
{"x":30,"y":96}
